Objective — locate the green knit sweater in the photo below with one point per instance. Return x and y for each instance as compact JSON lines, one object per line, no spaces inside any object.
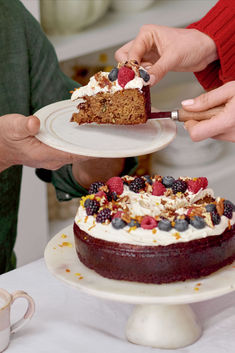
{"x":30,"y":78}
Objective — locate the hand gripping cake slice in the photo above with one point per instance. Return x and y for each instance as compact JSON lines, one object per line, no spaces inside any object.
{"x":154,"y":229}
{"x":120,"y":97}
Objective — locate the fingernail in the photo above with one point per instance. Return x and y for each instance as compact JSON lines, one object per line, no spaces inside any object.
{"x":188,"y":102}
{"x":148,"y":67}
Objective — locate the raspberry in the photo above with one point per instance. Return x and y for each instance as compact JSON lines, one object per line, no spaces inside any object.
{"x":228,"y":210}
{"x":148,"y":222}
{"x":94,"y":187}
{"x":125,"y":75}
{"x":215,"y":217}
{"x":115,"y":184}
{"x":195,"y":185}
{"x":103,"y":215}
{"x":101,"y":194}
{"x":158,"y":189}
{"x":118,"y":214}
{"x":93,"y":207}
{"x":137,"y":184}
{"x":204,"y":182}
{"x":179,"y":186}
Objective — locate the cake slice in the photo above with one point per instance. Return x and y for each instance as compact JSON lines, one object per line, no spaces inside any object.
{"x":120,"y":97}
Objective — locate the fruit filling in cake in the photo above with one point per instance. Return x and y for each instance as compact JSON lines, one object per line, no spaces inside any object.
{"x":120,"y":97}
{"x":154,"y":229}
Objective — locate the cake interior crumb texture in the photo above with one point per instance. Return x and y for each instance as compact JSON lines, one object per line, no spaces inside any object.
{"x":126,"y":107}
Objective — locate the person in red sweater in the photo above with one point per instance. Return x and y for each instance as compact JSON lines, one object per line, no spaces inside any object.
{"x":207,"y":48}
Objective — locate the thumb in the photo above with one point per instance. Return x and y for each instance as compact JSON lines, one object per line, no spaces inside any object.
{"x":163,"y":65}
{"x":210,"y":99}
{"x":32,"y":125}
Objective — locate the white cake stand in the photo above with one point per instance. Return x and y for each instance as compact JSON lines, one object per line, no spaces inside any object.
{"x":162,"y":317}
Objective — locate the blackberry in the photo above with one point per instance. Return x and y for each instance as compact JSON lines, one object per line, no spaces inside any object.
{"x":215,"y":217}
{"x":118,"y":223}
{"x":93,"y":207}
{"x":103,"y":215}
{"x":111,"y":196}
{"x":181,"y":225}
{"x":210,"y":207}
{"x":114,"y":196}
{"x":134,"y":223}
{"x":228,"y":210}
{"x":113,"y":75}
{"x":197,"y":222}
{"x":227,"y":202}
{"x":94,"y":187}
{"x":137,"y":184}
{"x":144,"y":75}
{"x":148,"y":179}
{"x":179,"y":186}
{"x":167,"y":181}
{"x":164,"y":224}
{"x":86,"y":203}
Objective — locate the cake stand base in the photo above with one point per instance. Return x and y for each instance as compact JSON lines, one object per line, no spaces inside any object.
{"x":163,"y":326}
{"x":162,"y":317}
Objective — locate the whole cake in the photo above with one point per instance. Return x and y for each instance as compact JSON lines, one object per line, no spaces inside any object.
{"x":121,"y":97}
{"x":154,"y":229}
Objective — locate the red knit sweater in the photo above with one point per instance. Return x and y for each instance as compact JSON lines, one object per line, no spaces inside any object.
{"x":219,"y":24}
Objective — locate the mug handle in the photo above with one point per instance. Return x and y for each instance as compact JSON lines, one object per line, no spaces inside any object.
{"x":29,"y":312}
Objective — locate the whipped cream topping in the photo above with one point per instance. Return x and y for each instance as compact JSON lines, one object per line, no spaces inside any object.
{"x":142,"y":204}
{"x":93,"y":86}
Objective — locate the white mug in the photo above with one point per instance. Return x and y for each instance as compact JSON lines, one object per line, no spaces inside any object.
{"x":6,"y":300}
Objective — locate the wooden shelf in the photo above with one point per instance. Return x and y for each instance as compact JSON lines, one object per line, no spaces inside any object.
{"x":116,"y":28}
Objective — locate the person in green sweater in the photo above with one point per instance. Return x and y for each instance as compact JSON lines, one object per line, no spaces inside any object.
{"x":30,"y":78}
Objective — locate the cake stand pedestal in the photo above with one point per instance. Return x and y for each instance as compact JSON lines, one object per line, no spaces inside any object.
{"x":162,"y":317}
{"x":163,"y":326}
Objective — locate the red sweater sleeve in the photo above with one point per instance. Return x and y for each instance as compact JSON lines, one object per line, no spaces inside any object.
{"x":219,"y":24}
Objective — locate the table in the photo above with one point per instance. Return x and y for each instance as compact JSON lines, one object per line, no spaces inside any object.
{"x":67,"y":320}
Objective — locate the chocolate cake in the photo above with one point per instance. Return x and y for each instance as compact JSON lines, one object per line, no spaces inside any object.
{"x":154,"y":229}
{"x":121,"y":97}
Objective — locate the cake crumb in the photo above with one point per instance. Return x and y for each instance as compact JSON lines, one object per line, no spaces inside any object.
{"x":64,"y":236}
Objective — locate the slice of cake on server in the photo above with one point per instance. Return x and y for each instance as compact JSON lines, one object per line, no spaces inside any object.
{"x":120,"y":97}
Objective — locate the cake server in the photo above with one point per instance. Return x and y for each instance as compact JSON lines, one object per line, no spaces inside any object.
{"x":184,"y":115}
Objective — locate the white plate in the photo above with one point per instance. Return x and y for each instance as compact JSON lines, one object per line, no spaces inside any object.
{"x":62,"y":261}
{"x":94,"y":140}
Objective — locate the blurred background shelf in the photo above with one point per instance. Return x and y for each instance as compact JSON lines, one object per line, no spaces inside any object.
{"x":116,"y":28}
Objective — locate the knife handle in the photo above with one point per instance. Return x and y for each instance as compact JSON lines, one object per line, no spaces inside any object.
{"x":184,"y":115}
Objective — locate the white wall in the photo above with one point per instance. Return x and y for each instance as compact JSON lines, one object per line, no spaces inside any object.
{"x":33,"y":6}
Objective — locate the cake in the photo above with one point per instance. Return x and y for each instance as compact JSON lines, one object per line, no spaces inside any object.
{"x":154,"y":229}
{"x":121,"y":97}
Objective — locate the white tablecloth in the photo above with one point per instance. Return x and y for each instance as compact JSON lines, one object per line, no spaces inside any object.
{"x":67,"y":320}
